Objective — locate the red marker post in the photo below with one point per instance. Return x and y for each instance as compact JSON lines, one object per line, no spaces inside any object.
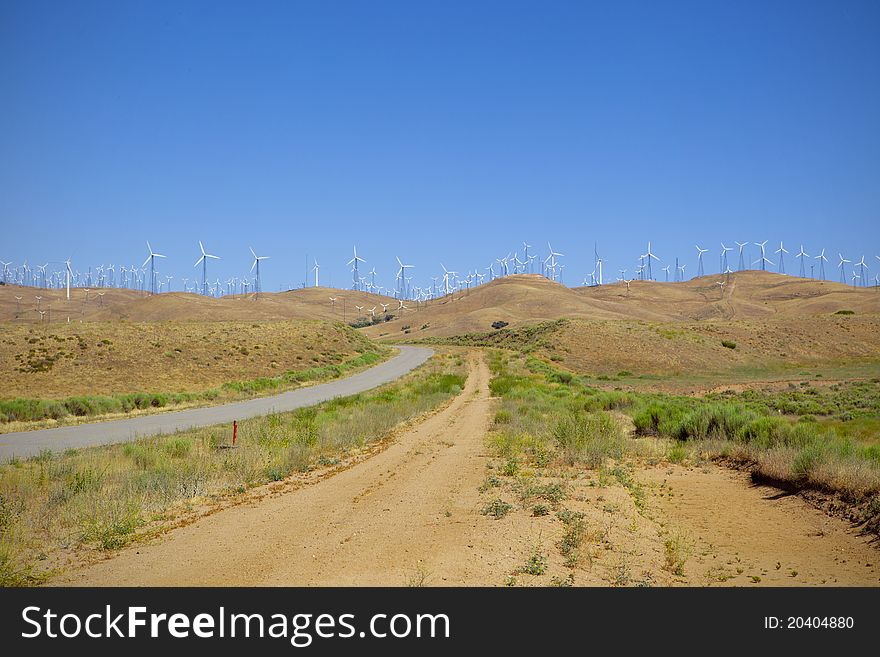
{"x":234,"y":431}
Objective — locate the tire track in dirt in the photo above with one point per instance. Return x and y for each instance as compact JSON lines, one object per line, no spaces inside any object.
{"x":407,"y":514}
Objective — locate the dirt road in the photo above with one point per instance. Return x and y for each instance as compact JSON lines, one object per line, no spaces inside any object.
{"x":405,"y":515}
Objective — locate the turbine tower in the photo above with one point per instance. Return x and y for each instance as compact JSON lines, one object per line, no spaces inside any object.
{"x":781,"y":251}
{"x":69,"y":274}
{"x":650,"y":255}
{"x":204,"y":261}
{"x":700,"y":252}
{"x":861,"y":263}
{"x":355,"y":275}
{"x":152,"y":260}
{"x":316,"y":269}
{"x":741,"y":247}
{"x":722,"y":262}
{"x":256,"y":265}
{"x":840,"y":265}
{"x":822,"y":260}
{"x":802,"y":254}
{"x":763,"y":259}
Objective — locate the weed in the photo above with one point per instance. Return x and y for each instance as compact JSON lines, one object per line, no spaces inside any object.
{"x":536,"y":565}
{"x":678,"y":548}
{"x":498,"y":508}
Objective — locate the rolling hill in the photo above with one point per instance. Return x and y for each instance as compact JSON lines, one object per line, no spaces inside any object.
{"x":528,"y":298}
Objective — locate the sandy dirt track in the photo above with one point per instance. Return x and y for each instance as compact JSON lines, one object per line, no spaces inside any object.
{"x":382,"y":522}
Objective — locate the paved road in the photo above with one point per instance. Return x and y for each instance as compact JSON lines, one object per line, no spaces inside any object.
{"x":23,"y":444}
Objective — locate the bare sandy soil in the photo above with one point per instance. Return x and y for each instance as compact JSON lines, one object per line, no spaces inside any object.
{"x":744,"y":534}
{"x":411,"y":515}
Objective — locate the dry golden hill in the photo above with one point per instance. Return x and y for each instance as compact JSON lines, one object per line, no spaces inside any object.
{"x":527,"y":298}
{"x":93,"y":358}
{"x":307,"y":303}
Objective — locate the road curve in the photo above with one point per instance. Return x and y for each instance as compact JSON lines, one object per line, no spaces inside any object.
{"x":23,"y":444}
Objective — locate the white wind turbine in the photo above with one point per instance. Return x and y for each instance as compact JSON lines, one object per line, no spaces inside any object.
{"x":861,"y":263}
{"x":763,"y":259}
{"x":781,"y":251}
{"x":69,"y":274}
{"x":446,"y":275}
{"x":822,"y":260}
{"x":316,"y":269}
{"x":700,"y":253}
{"x":741,"y":246}
{"x":355,"y":274}
{"x":256,"y":265}
{"x":204,"y":262}
{"x":152,"y":260}
{"x":802,"y":254}
{"x":401,"y":276}
{"x":650,"y":255}
{"x":666,"y":269}
{"x":723,"y":259}
{"x":528,"y":260}
{"x":552,"y":259}
{"x":840,"y":265}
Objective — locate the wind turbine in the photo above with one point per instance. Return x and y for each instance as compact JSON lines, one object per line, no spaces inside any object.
{"x":741,"y":246}
{"x":666,"y":269}
{"x":861,"y":263}
{"x":315,"y":269}
{"x":840,"y":265}
{"x":722,"y":264}
{"x":700,"y":252}
{"x":822,"y":260}
{"x":802,"y":254}
{"x":354,"y":271}
{"x":552,"y":259}
{"x":152,"y":260}
{"x":781,"y":251}
{"x":257,"y":265}
{"x":763,"y":259}
{"x":69,"y":273}
{"x":446,"y":275}
{"x":650,"y":255}
{"x":204,"y":261}
{"x":401,"y":276}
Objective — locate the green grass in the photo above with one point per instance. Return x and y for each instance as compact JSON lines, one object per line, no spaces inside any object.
{"x":804,"y":437}
{"x":106,"y":497}
{"x":35,"y":410}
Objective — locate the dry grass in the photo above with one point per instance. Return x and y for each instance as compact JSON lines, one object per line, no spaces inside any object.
{"x":525,"y":298}
{"x":690,"y":357}
{"x":102,"y":358}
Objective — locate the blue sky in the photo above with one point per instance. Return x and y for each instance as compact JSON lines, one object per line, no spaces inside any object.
{"x":436,"y":131}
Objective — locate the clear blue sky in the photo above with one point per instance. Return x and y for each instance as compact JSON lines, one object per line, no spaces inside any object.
{"x":437,"y":131}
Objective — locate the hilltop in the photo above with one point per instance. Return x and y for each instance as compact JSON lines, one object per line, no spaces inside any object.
{"x":134,"y":306}
{"x":528,"y":298}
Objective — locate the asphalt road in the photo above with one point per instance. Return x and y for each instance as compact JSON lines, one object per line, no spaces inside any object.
{"x":23,"y":444}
